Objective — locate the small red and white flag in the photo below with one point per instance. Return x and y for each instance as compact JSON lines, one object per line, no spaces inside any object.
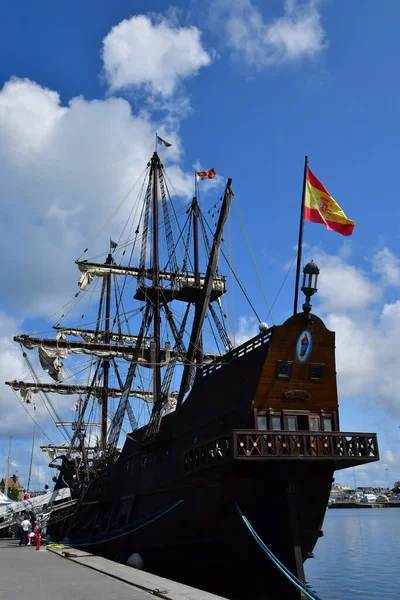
{"x":113,"y":244}
{"x":206,"y":174}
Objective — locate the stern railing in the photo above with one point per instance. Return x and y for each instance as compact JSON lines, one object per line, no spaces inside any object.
{"x":289,"y":444}
{"x":282,"y":445}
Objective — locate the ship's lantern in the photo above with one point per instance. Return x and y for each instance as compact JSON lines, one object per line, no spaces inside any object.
{"x":309,"y":287}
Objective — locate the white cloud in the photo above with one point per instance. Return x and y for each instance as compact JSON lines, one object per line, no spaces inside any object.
{"x":344,"y":287}
{"x":367,"y":330}
{"x":295,"y":35}
{"x":152,"y":54}
{"x":14,"y":420}
{"x":248,"y":328}
{"x":373,"y":474}
{"x":28,"y":114}
{"x":388,"y":266}
{"x":63,"y":169}
{"x":390,"y":459}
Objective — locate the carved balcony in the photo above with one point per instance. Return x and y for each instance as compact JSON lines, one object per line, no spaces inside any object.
{"x":341,"y":449}
{"x":346,"y":449}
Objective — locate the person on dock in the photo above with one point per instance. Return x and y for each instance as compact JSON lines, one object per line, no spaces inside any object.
{"x":32,"y":518}
{"x":33,"y":536}
{"x":25,"y":526}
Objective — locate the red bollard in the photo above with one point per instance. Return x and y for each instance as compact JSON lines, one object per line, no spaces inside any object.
{"x":38,"y":542}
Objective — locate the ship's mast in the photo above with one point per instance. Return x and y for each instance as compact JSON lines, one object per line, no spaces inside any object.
{"x":195,"y":208}
{"x":8,"y":469}
{"x":106,"y":363}
{"x":155,"y":165}
{"x":204,"y":300}
{"x":31,"y":463}
{"x":173,"y":282}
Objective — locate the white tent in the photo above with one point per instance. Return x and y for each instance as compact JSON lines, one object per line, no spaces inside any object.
{"x":4,"y":499}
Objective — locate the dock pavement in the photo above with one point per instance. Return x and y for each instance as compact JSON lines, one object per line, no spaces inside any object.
{"x":47,"y":574}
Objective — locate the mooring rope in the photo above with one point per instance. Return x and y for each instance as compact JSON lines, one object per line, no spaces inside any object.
{"x":292,"y":578}
{"x":151,"y":519}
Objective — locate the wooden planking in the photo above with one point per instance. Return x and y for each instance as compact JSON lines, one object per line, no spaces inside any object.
{"x":282,"y":347}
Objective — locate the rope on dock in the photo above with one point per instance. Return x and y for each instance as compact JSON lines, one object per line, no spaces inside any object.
{"x":150,"y":519}
{"x":292,"y":578}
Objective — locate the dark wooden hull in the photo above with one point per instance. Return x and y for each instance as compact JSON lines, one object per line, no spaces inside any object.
{"x":204,"y":542}
{"x":281,"y":486}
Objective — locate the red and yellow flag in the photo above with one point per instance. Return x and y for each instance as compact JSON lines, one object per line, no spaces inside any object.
{"x":320,"y":207}
{"x":206,"y":174}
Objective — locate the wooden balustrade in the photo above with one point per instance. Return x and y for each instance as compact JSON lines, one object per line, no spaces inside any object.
{"x":285,"y":444}
{"x":345,"y":449}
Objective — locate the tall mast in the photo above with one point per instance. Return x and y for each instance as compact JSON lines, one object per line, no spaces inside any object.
{"x":300,"y":242}
{"x":195,"y":208}
{"x":204,"y":300}
{"x":31,"y":463}
{"x":155,"y":165}
{"x":8,"y":469}
{"x":106,"y":363}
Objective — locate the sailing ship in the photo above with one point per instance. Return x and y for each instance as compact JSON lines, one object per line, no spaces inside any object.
{"x":209,"y":428}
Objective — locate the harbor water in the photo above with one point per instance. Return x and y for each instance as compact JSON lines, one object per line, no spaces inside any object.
{"x":359,"y":555}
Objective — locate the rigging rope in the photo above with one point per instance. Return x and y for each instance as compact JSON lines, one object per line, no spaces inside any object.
{"x":253,"y":260}
{"x":284,"y":570}
{"x":284,"y":281}
{"x":66,"y":436}
{"x":231,"y":276}
{"x":237,"y":280}
{"x":95,"y":237}
{"x":34,"y":420}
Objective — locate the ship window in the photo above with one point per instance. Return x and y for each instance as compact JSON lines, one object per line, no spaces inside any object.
{"x":292,"y":423}
{"x":316,"y":371}
{"x":276,"y":424}
{"x":314,"y":423}
{"x":262,"y":421}
{"x":327,"y":423}
{"x":284,"y":369}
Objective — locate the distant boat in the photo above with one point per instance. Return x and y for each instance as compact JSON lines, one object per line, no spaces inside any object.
{"x":369,"y":498}
{"x":208,"y":426}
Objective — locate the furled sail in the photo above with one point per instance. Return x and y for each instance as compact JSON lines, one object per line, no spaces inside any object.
{"x":97,"y":336}
{"x":51,"y":351}
{"x":28,"y":389}
{"x":27,"y":396}
{"x":91,"y":270}
{"x":52,"y":453}
{"x":50,"y":359}
{"x":151,"y":294}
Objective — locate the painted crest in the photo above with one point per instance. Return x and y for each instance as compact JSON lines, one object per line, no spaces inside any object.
{"x":304,"y":346}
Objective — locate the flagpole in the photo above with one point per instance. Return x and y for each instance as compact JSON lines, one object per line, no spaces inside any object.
{"x":300,"y":242}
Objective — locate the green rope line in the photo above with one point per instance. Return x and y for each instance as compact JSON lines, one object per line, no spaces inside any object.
{"x":296,"y":582}
{"x":126,"y":532}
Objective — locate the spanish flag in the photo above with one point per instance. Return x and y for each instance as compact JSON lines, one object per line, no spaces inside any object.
{"x":320,"y":207}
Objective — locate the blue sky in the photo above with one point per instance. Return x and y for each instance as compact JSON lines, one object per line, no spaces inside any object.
{"x":248,"y":88}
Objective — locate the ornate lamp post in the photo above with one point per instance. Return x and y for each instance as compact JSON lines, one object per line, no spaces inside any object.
{"x":309,"y":287}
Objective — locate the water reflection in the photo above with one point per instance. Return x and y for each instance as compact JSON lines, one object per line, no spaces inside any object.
{"x":358,"y":557}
